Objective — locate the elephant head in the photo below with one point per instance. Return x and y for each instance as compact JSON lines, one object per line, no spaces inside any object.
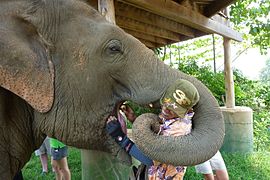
{"x":63,"y":70}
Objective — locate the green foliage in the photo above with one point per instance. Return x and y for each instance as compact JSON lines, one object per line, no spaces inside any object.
{"x":265,"y":73}
{"x":245,"y":91}
{"x":255,"y":95}
{"x":252,"y":17}
{"x":261,"y":131}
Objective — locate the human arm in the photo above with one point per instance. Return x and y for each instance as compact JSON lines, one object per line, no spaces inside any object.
{"x":113,"y":127}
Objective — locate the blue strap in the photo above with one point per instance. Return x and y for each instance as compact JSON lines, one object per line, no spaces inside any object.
{"x":132,"y":150}
{"x":124,"y":142}
{"x":136,"y":153}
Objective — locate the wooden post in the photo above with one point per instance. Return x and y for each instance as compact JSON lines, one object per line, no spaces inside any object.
{"x":228,"y":73}
{"x":214,"y":53}
{"x":106,"y":8}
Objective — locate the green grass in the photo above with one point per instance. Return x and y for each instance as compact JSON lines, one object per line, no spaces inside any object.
{"x":255,"y":166}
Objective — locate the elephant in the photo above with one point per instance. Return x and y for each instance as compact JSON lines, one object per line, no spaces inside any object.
{"x":64,"y":69}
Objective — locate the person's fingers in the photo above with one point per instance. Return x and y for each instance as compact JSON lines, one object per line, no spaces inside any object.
{"x":111,"y":118}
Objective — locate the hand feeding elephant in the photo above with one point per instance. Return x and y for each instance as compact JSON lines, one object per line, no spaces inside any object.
{"x":63,"y":70}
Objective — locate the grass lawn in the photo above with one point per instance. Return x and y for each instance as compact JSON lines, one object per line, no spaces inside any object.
{"x":255,"y":166}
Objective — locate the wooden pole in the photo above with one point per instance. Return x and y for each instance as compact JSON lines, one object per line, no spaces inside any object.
{"x":179,"y":55}
{"x":106,"y":8}
{"x":214,"y":53}
{"x":228,"y":73}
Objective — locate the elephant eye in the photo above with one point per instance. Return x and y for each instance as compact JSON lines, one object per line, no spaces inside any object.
{"x":113,"y":47}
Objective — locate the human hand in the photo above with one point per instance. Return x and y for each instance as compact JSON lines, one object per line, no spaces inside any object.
{"x":113,"y":127}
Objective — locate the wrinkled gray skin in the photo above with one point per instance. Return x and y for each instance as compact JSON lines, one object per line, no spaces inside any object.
{"x":63,"y":68}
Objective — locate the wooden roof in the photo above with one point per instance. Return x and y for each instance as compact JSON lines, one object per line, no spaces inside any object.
{"x":160,"y":22}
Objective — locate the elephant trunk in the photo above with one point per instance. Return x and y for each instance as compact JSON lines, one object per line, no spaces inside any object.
{"x":200,"y":145}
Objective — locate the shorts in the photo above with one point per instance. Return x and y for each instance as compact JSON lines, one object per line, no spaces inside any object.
{"x":44,"y":148}
{"x":215,"y":163}
{"x":59,"y":153}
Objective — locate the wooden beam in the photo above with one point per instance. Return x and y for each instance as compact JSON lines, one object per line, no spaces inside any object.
{"x":204,"y":2}
{"x":179,"y":13}
{"x":151,"y":38}
{"x":147,"y":29}
{"x":216,"y":6}
{"x":149,"y":44}
{"x":197,"y":34}
{"x":152,"y":19}
{"x":221,"y":19}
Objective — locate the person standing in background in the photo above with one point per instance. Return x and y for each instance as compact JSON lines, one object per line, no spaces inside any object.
{"x":59,"y":152}
{"x":43,"y":153}
{"x":216,"y":163}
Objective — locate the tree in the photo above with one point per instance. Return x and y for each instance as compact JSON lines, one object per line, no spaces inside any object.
{"x":252,"y":18}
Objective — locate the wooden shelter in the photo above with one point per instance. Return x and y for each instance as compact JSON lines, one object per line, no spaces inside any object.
{"x":157,"y":23}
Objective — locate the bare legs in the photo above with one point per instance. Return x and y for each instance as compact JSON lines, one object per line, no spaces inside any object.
{"x":220,"y":175}
{"x":61,"y":169}
{"x":215,"y":164}
{"x":209,"y":177}
{"x":44,"y":162}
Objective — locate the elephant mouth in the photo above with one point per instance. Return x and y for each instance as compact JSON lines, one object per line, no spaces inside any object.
{"x":120,"y":105}
{"x":116,"y":109}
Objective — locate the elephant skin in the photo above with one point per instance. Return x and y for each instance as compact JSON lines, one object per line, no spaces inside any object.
{"x":64,"y":68}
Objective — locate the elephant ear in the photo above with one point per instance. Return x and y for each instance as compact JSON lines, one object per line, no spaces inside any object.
{"x":25,"y":65}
